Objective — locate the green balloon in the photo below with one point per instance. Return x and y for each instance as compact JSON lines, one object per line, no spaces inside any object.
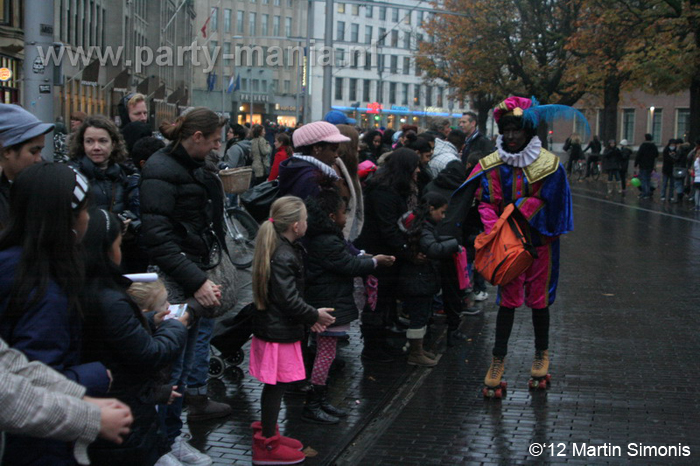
{"x":635,"y":182}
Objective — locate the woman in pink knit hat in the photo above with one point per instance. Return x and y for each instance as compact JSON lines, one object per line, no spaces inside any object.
{"x":315,"y":151}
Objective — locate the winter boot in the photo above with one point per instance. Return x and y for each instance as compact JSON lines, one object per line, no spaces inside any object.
{"x":421,"y":333}
{"x":269,"y":451}
{"x":201,"y":408}
{"x":416,"y":356}
{"x":373,"y":349}
{"x":325,"y":405}
{"x":313,"y":412}
{"x":286,"y":441}
{"x":495,"y":372}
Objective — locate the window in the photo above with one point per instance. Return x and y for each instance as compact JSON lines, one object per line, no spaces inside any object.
{"x":392,"y":93}
{"x":419,"y":39}
{"x":382,"y":36}
{"x":264,"y":25}
{"x":683,"y":123}
{"x":368,"y":11}
{"x":382,"y":13}
{"x":340,"y":31}
{"x":407,"y":40}
{"x":353,"y":90}
{"x":288,"y":26}
{"x":368,"y":61}
{"x":251,"y":24}
{"x":380,"y":63}
{"x":244,"y":84}
{"x":355,"y":9}
{"x":212,"y":47}
{"x":418,"y":71}
{"x":275,"y":26}
{"x":266,"y":2}
{"x":380,"y":91}
{"x":227,"y":20}
{"x":275,"y":85}
{"x":6,"y":12}
{"x":420,"y":18}
{"x":354,"y":33}
{"x":394,"y":64}
{"x":439,"y":96}
{"x":406,"y":65}
{"x":287,"y":86}
{"x":368,"y":34}
{"x":339,"y":57}
{"x":256,"y":85}
{"x":277,"y":2}
{"x":394,"y":38}
{"x":656,"y":119}
{"x":355,"y":59}
{"x":338,"y":88}
{"x":341,"y":7}
{"x":366,"y":97}
{"x":429,"y":96}
{"x":579,"y":126}
{"x":289,"y":3}
{"x":240,"y":15}
{"x":407,"y":18}
{"x":263,"y":85}
{"x":404,"y":94}
{"x":227,"y":54}
{"x":416,"y":94}
{"x":214,"y":23}
{"x":395,"y":15}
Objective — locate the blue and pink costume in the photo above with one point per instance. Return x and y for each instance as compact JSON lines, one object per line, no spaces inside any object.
{"x":541,"y":192}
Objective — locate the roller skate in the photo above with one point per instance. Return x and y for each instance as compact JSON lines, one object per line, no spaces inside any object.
{"x":494,"y":386}
{"x":539,"y":376}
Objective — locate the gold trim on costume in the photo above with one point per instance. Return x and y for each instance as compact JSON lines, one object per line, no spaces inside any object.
{"x":546,"y":164}
{"x":490,"y":161}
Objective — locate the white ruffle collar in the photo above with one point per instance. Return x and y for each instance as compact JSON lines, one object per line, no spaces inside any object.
{"x":523,"y":158}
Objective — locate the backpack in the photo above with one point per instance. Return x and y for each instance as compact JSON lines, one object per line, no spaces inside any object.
{"x":506,"y":251}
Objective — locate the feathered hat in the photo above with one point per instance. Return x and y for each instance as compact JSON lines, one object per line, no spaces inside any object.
{"x":533,"y":113}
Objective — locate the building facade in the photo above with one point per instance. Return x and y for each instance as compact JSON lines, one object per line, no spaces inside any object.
{"x":258,"y":46}
{"x":375,"y":78}
{"x":11,"y":47}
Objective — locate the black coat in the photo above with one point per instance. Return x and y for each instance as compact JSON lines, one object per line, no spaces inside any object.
{"x":612,"y":158}
{"x":481,"y":144}
{"x":287,"y":313}
{"x":180,"y":201}
{"x":331,"y":269}
{"x":109,"y":189}
{"x":646,"y":156}
{"x":380,"y":233}
{"x":117,"y":334}
{"x":423,"y":278}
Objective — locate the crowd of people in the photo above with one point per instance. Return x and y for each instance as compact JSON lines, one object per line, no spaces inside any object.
{"x":366,"y":226}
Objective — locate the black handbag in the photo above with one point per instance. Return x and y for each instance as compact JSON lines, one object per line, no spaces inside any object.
{"x":258,"y":200}
{"x":679,"y":172}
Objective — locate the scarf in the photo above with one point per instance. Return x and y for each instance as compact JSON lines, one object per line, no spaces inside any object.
{"x":325,"y":169}
{"x":523,"y":158}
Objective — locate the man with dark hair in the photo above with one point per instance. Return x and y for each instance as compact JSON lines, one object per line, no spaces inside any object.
{"x":475,"y":141}
{"x":238,"y":154}
{"x":646,"y":161}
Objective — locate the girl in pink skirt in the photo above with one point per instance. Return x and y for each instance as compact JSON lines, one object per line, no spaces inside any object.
{"x":279,"y":324}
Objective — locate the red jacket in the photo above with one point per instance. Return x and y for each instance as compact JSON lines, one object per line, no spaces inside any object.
{"x":280,"y":156}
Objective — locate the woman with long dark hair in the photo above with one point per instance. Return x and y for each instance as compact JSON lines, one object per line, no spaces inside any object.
{"x":389,"y":195}
{"x":133,"y":348}
{"x":41,"y":275}
{"x":373,"y":142}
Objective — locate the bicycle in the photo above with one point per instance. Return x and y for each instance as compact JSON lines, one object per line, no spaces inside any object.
{"x":240,"y":227}
{"x":596,"y":170}
{"x":578,"y":170}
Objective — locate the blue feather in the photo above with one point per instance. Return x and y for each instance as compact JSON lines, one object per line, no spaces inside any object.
{"x":551,"y":112}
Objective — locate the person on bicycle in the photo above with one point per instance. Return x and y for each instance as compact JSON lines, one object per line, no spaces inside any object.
{"x":573,"y":147}
{"x":595,"y":146}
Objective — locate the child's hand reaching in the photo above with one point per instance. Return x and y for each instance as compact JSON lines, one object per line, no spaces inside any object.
{"x":324,"y":318}
{"x":384,"y":261}
{"x":158,"y":317}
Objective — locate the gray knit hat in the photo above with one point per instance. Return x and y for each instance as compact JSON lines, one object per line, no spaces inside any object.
{"x":18,"y":125}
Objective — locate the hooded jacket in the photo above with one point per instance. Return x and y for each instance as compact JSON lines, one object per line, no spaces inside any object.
{"x":331,"y":268}
{"x":299,"y":178}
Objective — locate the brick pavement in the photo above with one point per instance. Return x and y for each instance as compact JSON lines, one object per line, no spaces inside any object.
{"x":623,"y":342}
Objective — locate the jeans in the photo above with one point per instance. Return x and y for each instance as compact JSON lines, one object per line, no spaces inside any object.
{"x":667,"y":187}
{"x":419,"y":310}
{"x":645,"y":178}
{"x":170,"y":422}
{"x":680,"y":185}
{"x":198,"y":375}
{"x":614,"y":174}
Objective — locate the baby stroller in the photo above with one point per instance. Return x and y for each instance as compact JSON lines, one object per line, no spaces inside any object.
{"x":229,"y":337}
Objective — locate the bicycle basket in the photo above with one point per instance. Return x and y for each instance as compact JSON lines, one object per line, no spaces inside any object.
{"x":236,"y":180}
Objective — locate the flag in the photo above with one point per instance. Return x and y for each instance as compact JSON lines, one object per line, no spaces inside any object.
{"x":204,"y":28}
{"x":230,"y":85}
{"x":211,"y":82}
